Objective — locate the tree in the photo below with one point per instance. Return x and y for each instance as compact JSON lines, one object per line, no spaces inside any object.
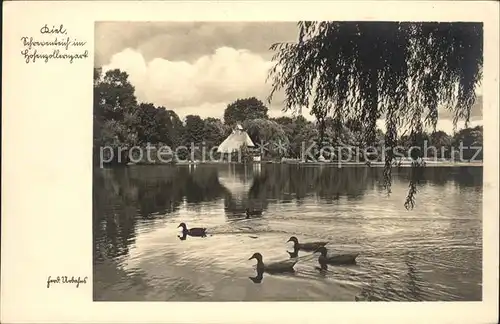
{"x":400,"y":71}
{"x":113,"y":94}
{"x":470,"y":139}
{"x":305,"y":133}
{"x":119,"y":121}
{"x":354,"y":125}
{"x":298,"y":131}
{"x":114,"y":106}
{"x":146,"y":124}
{"x":442,"y":142}
{"x":287,"y":124}
{"x":244,"y":109}
{"x":469,"y":136}
{"x":176,"y":129}
{"x":214,"y":132}
{"x":269,"y":135}
{"x":283,"y":120}
{"x":193,"y":130}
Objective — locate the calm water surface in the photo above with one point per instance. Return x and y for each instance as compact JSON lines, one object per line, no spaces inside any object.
{"x":432,"y":253}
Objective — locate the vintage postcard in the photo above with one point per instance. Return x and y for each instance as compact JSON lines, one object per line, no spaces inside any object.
{"x":250,"y":162}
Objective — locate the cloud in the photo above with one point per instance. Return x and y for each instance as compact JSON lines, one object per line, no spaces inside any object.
{"x":187,"y":41}
{"x":211,"y":82}
{"x":199,"y":67}
{"x":475,"y":113}
{"x":204,"y":110}
{"x":447,"y":125}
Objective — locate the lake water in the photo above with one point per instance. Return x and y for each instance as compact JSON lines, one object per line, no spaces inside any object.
{"x":430,"y":253}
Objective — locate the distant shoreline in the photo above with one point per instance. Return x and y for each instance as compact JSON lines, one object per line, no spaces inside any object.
{"x":343,"y":164}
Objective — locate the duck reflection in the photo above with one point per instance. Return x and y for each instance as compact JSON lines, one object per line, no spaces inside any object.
{"x":184,"y":236}
{"x":253,"y":213}
{"x":237,"y":210}
{"x":258,"y":278}
{"x":294,"y":254}
{"x":322,"y":268}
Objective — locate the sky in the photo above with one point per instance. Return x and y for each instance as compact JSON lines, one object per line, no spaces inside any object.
{"x":201,"y":67}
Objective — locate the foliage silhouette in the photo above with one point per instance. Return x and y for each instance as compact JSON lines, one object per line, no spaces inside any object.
{"x":242,"y":110}
{"x":402,"y":71}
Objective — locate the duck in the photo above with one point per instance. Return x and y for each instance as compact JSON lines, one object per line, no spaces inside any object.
{"x":195,"y":231}
{"x":338,"y":259}
{"x":308,"y":247}
{"x":275,"y":267}
{"x":253,"y":213}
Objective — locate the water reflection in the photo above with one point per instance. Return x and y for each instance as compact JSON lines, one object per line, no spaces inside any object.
{"x":258,"y":278}
{"x":413,"y":277}
{"x":183,"y":236}
{"x":432,"y":253}
{"x":294,"y":254}
{"x":323,"y":269}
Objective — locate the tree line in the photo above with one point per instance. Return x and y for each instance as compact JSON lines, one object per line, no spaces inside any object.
{"x":121,"y":121}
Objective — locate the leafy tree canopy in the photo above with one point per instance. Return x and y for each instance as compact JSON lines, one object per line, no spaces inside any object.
{"x":214,"y":131}
{"x":401,"y":71}
{"x":267,"y":133}
{"x":244,"y":109}
{"x":194,"y":127}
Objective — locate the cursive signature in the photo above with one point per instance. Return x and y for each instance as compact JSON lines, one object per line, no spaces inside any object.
{"x":66,"y":280}
{"x":54,"y":30}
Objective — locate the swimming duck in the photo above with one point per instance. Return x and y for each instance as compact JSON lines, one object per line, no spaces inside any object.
{"x":335,"y":259}
{"x":253,"y":213}
{"x":309,"y":247}
{"x":195,"y":231}
{"x":275,"y":267}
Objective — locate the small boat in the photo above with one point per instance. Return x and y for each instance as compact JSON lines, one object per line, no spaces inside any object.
{"x":308,"y":247}
{"x":195,"y":231}
{"x":338,"y":259}
{"x":275,"y":267}
{"x":253,"y":213}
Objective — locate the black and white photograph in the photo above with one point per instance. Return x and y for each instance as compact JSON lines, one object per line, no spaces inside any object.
{"x":250,"y":162}
{"x":288,"y":161}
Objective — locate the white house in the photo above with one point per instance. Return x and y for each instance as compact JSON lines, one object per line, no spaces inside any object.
{"x":235,"y":141}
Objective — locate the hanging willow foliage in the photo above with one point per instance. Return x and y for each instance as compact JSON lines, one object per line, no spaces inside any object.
{"x":399,"y":71}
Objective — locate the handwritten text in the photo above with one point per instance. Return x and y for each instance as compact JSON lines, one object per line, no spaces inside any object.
{"x":58,"y":46}
{"x":66,"y":280}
